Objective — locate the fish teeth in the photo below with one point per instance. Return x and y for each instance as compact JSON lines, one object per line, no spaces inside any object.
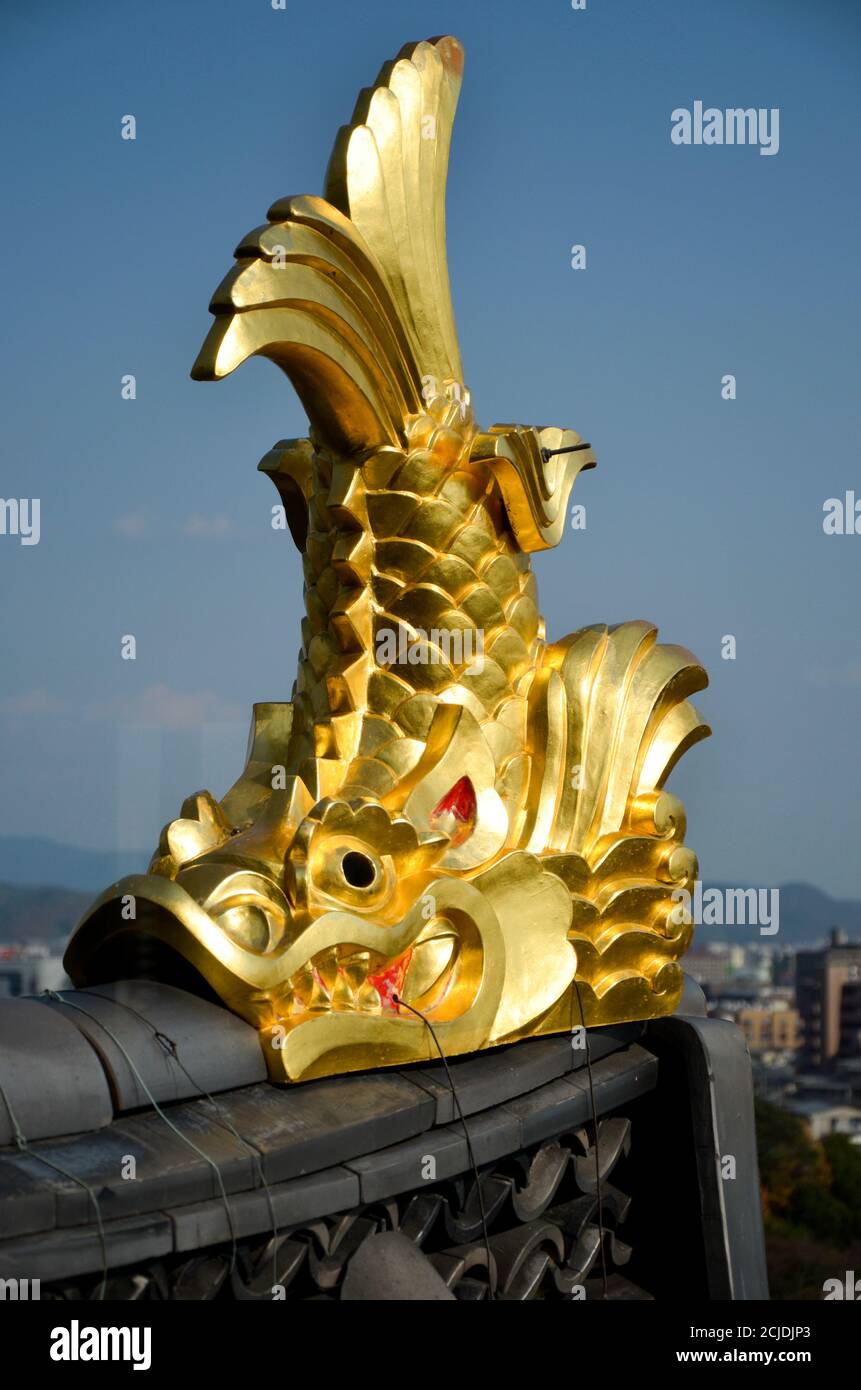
{"x":320,"y":998}
{"x":368,"y":999}
{"x":342,"y":995}
{"x":303,"y":984}
{"x":327,"y":983}
{"x":326,"y":969}
{"x":355,"y":969}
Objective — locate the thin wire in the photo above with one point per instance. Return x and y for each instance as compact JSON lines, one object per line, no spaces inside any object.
{"x":548,"y":454}
{"x":490,"y":1263}
{"x":24,"y":1147}
{"x":171,"y":1048}
{"x":53,"y":994}
{"x":595,"y":1123}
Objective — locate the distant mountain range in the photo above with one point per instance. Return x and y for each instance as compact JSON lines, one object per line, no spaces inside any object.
{"x":39,"y":915}
{"x":45,"y":887}
{"x":32,"y":863}
{"x":807,"y":915}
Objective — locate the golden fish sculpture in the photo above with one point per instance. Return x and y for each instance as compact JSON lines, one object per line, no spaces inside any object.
{"x":454,"y":822}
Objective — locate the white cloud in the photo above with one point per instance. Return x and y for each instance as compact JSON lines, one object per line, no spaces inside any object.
{"x":132,"y":524}
{"x":170,"y":709}
{"x":211,"y":527}
{"x":157,"y":704}
{"x":32,"y":702}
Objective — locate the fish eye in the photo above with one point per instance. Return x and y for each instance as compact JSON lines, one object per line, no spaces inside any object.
{"x":359,"y":871}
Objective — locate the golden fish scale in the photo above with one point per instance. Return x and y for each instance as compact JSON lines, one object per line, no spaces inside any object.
{"x":440,"y":558}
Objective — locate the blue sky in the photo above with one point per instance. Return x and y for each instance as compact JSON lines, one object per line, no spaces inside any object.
{"x":704,"y":515}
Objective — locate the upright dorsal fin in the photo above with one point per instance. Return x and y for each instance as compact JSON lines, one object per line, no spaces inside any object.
{"x":350,"y":296}
{"x":388,"y":174}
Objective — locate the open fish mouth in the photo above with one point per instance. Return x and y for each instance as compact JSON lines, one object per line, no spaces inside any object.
{"x":347,"y":978}
{"x":340,"y":981}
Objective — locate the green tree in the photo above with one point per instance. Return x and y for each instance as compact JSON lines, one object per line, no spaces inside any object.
{"x":844,"y":1160}
{"x":789,"y":1160}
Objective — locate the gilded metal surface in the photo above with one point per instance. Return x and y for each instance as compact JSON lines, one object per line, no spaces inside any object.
{"x":452,"y":810}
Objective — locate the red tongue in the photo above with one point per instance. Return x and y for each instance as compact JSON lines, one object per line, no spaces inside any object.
{"x":390,"y":981}
{"x":459,"y":803}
